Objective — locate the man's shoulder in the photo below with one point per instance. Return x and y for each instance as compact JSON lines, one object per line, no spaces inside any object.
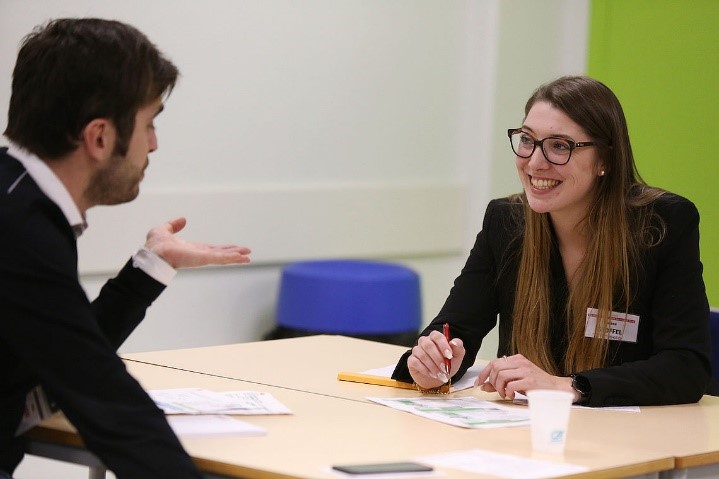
{"x":27,"y":215}
{"x":16,"y":184}
{"x":9,"y":168}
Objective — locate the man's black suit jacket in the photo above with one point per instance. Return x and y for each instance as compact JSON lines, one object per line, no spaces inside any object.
{"x":51,"y":334}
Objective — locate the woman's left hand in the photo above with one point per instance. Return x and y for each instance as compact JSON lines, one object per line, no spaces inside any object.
{"x":509,"y":375}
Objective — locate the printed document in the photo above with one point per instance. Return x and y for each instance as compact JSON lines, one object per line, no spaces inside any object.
{"x":466,"y":382}
{"x":467,"y":411}
{"x":202,"y":401}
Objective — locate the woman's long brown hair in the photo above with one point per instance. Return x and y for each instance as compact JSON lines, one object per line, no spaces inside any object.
{"x":617,"y":227}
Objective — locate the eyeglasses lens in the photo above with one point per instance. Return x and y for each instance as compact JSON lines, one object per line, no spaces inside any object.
{"x":556,"y":150}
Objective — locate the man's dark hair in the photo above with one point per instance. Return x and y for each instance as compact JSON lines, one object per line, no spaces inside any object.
{"x":73,"y":70}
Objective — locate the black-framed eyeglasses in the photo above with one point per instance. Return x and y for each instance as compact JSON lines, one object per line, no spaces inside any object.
{"x":556,"y":150}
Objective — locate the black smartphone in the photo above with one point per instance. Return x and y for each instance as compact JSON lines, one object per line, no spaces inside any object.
{"x":383,"y":468}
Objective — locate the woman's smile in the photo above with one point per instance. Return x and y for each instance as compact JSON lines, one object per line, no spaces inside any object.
{"x":543,"y":183}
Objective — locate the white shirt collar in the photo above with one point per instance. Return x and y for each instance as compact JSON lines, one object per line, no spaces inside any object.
{"x":51,"y":185}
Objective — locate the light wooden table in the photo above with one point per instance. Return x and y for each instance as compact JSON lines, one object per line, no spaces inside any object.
{"x":688,"y":433}
{"x":325,"y":430}
{"x":306,"y":364}
{"x":333,"y":422}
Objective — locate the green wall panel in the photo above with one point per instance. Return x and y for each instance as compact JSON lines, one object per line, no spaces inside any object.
{"x":661,"y":58}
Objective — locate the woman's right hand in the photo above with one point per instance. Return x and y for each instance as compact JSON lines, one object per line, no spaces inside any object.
{"x":426,"y":363}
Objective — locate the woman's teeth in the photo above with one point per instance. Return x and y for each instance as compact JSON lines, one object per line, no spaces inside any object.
{"x":542,"y":184}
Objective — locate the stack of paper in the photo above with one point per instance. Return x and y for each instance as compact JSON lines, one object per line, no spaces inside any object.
{"x":382,"y":377}
{"x":202,"y":401}
{"x":209,"y":424}
{"x":199,"y":411}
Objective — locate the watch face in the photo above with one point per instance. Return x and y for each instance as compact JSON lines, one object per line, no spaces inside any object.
{"x":581,"y":385}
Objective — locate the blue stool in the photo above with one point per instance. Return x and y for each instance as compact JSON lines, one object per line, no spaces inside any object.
{"x":366,"y":299}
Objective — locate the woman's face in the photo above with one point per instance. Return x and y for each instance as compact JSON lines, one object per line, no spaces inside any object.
{"x":564,"y":191}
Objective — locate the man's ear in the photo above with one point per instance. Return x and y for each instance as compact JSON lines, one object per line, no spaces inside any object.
{"x":98,"y":139}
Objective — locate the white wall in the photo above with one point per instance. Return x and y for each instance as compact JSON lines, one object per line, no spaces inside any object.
{"x":303,"y":129}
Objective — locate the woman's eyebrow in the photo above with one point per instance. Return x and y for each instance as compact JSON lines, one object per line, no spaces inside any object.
{"x":554,"y":135}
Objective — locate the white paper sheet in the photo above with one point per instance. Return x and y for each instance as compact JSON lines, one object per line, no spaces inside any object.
{"x":521,"y":399}
{"x":202,"y":401}
{"x":468,"y":412}
{"x":466,"y":382}
{"x":502,"y":465}
{"x":212,"y":424}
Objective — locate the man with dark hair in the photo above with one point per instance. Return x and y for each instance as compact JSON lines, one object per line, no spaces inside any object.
{"x":85,"y":93}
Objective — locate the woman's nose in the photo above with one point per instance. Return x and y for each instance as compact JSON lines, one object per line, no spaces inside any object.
{"x":538,"y":160}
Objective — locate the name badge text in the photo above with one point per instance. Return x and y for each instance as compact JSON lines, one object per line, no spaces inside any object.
{"x":621,"y":327}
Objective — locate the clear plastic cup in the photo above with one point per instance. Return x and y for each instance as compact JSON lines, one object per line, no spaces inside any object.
{"x":549,"y":418}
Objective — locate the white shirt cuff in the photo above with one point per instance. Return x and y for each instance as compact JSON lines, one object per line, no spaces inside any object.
{"x":156,"y":267}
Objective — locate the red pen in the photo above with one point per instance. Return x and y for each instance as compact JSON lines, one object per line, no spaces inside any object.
{"x":447,"y":362}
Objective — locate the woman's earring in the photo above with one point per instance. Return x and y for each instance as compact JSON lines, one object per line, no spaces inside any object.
{"x":601,"y":173}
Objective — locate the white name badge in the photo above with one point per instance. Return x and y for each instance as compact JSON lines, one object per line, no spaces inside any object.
{"x":37,"y":408}
{"x":621,"y":327}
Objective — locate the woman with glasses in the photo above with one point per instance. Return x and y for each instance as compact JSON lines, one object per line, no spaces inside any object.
{"x":594,"y":276}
